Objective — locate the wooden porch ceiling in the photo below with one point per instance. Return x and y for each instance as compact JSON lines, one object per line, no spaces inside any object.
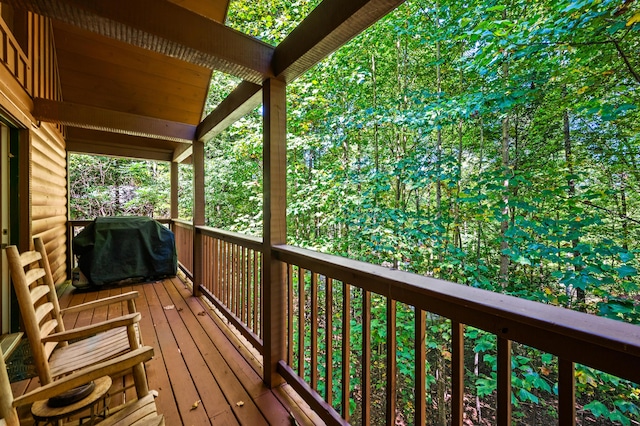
{"x":142,"y":69}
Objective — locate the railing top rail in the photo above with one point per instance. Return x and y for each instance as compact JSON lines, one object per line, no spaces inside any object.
{"x":249,"y":241}
{"x":85,"y":222}
{"x":182,"y":222}
{"x":602,"y":343}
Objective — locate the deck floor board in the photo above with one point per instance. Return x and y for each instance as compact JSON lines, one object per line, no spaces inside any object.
{"x":197,"y":358}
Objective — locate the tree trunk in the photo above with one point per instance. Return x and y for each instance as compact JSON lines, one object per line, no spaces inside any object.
{"x":623,"y":211}
{"x":571,"y":192}
{"x":503,"y":277}
{"x":504,"y":225}
{"x":480,"y":164}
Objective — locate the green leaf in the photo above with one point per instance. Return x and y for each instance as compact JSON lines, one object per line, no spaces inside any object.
{"x":625,"y":271}
{"x":522,"y":260}
{"x":597,"y":408}
{"x":525,"y":395}
{"x":546,"y":358}
{"x":626,"y":256}
{"x":617,"y":416}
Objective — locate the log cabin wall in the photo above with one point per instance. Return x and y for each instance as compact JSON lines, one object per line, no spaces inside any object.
{"x":27,"y":52}
{"x":48,"y":188}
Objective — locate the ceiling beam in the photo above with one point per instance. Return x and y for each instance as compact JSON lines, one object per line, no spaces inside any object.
{"x":94,"y":142}
{"x":212,"y":9}
{"x":330,"y":25}
{"x":166,"y":28}
{"x":89,"y":117}
{"x":182,"y":153}
{"x":244,"y":99}
{"x":114,"y":150}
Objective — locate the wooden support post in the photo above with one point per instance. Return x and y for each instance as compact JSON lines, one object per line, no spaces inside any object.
{"x":198,"y":213}
{"x":421,"y":372}
{"x":457,"y":373}
{"x":366,"y":359}
{"x":503,"y":403}
{"x":392,"y":347}
{"x":174,"y":190}
{"x":566,"y":392}
{"x":274,"y":294}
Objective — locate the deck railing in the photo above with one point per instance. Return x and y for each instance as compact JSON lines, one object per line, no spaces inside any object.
{"x":183,"y":231}
{"x":336,"y":306}
{"x":315,"y":312}
{"x":231,"y":279}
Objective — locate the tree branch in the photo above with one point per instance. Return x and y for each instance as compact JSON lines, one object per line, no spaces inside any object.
{"x":633,"y":72}
{"x":622,"y":216}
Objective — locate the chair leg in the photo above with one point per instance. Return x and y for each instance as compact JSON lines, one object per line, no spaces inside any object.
{"x":140,"y":380}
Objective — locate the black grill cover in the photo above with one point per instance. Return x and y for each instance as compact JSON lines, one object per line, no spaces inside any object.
{"x":113,"y":249}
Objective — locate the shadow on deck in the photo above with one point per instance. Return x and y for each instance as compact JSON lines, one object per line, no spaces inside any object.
{"x":197,"y":358}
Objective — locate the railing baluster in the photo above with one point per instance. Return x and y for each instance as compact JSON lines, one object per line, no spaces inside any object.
{"x":420,"y":373}
{"x":301,"y":331}
{"x":241,"y":284}
{"x":290,"y":317}
{"x":239,"y":295}
{"x":314,"y":330}
{"x":221,"y":268}
{"x":457,"y":373}
{"x":329,"y":341}
{"x":214,"y":267}
{"x":224,"y":274}
{"x":234,"y":279}
{"x":246,"y":296}
{"x":503,"y":402}
{"x":240,"y":280}
{"x":566,"y":393}
{"x":230,"y":288}
{"x":366,"y":358}
{"x":212,"y":256}
{"x":256,"y":293}
{"x":205,"y":264}
{"x":391,"y":362}
{"x":346,"y":349}
{"x":228,"y":282}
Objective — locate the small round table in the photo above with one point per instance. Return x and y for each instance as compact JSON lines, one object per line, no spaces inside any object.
{"x":50,"y":415}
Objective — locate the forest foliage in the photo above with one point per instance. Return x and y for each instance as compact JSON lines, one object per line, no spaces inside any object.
{"x":492,"y":144}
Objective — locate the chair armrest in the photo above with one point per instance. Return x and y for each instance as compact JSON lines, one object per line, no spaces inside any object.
{"x":93,"y":329}
{"x":80,"y":377}
{"x":101,"y":302}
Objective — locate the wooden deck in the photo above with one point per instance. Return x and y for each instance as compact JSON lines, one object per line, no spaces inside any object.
{"x":197,"y":358}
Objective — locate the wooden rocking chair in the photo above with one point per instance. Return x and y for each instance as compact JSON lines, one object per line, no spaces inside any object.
{"x":54,"y":356}
{"x":139,"y":412}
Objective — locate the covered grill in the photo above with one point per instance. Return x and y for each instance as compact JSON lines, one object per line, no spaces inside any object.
{"x":113,"y":249}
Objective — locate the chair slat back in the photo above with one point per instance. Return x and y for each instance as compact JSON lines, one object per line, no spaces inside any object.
{"x":39,"y":307}
{"x":42,"y":312}
{"x":33,"y":275}
{"x":38,"y":293}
